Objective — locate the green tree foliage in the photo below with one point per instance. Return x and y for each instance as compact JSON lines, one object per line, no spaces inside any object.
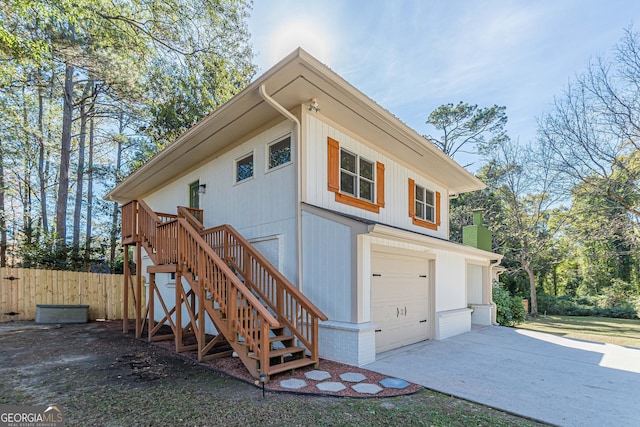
{"x":587,"y":157}
{"x":593,"y":133}
{"x":620,"y":300}
{"x":509,"y":309}
{"x":592,"y":139}
{"x":467,"y":128}
{"x":86,"y":87}
{"x":525,"y":189}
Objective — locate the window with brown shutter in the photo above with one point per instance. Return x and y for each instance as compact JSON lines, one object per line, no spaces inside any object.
{"x":356,"y":181}
{"x":424,"y":206}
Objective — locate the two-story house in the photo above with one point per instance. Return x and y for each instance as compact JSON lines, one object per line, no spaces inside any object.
{"x":345,"y":200}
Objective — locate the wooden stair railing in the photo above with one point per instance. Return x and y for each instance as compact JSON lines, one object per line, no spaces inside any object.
{"x":239,"y":316}
{"x":141,"y":224}
{"x":292,"y":309}
{"x":129,"y":222}
{"x":193,"y":216}
{"x":244,"y":315}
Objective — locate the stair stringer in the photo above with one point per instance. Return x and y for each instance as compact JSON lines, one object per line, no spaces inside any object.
{"x":221,"y":324}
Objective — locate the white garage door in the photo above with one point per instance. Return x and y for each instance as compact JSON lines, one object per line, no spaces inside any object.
{"x":399,"y":300}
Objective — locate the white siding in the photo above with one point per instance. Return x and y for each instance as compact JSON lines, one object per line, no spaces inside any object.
{"x":450,"y":281}
{"x":396,"y":210}
{"x":270,"y":248}
{"x":475,"y":275}
{"x":264,"y":205}
{"x":327,"y":274}
{"x":453,"y":322}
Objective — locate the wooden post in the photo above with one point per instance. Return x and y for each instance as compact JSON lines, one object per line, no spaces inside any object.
{"x":279,"y":299}
{"x":125,"y":302}
{"x":138,"y":291}
{"x":201,"y":317}
{"x":232,"y":308}
{"x":247,"y":267}
{"x":314,"y":341}
{"x":151,"y":303}
{"x":264,"y":347}
{"x":179,"y":291}
{"x":226,"y":251}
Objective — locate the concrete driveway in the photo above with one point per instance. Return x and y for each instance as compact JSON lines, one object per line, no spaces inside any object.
{"x":552,"y":379}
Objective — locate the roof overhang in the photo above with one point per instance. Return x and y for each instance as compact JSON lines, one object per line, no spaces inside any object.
{"x":293,"y":82}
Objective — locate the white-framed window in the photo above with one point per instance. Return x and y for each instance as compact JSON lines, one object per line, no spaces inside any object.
{"x":244,"y":167}
{"x":357,"y":176}
{"x":279,"y":153}
{"x":425,"y":204}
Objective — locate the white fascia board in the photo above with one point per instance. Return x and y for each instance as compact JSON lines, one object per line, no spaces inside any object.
{"x":378,"y":230}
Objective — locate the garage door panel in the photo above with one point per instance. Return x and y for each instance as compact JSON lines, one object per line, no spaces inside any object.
{"x":399,"y":300}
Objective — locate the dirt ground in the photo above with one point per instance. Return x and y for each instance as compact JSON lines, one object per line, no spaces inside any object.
{"x":99,"y":377}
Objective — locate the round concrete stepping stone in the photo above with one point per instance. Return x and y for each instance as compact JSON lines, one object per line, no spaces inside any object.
{"x":352,"y":377}
{"x":331,"y":386}
{"x":394,"y":383}
{"x":318,"y":375}
{"x":293,"y":384}
{"x":366,"y":388}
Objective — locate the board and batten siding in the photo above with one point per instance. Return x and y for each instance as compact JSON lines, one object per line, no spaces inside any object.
{"x":450,"y":281}
{"x":327,"y":266}
{"x":260,"y":207}
{"x":475,"y":281}
{"x":396,"y":211}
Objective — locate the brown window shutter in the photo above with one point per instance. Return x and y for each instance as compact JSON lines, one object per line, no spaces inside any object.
{"x":412,"y":198}
{"x":380,"y":184}
{"x":333,"y":165}
{"x":438,"y":208}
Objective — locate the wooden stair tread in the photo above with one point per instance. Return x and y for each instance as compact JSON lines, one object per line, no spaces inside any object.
{"x":286,"y":350}
{"x":280,"y":352}
{"x":279,"y":338}
{"x":293,"y":364}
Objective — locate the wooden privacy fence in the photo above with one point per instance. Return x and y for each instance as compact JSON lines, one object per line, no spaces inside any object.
{"x":21,"y":289}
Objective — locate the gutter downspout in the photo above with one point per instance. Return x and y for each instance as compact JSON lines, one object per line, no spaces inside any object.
{"x":494,"y":314}
{"x":294,"y":119}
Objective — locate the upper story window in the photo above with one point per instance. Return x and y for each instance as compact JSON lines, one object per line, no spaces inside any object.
{"x":244,"y":168}
{"x":424,"y":206}
{"x":356,"y":176}
{"x":280,"y":152}
{"x":356,"y":181}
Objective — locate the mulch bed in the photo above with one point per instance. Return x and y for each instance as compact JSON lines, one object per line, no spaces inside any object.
{"x":233,"y":367}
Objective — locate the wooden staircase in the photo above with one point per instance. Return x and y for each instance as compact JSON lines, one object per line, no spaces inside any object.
{"x":258,"y":313}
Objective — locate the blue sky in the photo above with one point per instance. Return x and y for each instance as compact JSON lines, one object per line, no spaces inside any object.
{"x":411,"y":56}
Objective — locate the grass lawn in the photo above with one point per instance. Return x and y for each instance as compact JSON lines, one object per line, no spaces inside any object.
{"x":625,"y":332}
